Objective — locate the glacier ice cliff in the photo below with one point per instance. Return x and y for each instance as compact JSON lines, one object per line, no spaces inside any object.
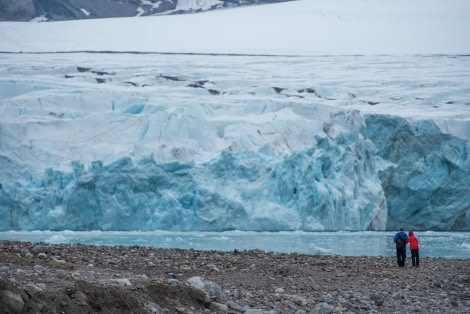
{"x":381,"y":173}
{"x":427,"y":186}
{"x":330,"y":186}
{"x":211,"y":143}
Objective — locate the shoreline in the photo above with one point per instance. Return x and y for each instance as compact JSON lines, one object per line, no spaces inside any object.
{"x":379,"y":243}
{"x":77,"y":278}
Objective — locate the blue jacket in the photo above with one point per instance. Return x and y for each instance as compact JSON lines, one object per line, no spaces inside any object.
{"x":403,"y":235}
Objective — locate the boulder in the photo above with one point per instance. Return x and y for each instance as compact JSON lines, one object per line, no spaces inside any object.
{"x":212,"y":290}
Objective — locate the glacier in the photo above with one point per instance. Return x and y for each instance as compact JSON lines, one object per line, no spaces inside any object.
{"x":310,"y":115}
{"x":124,"y":142}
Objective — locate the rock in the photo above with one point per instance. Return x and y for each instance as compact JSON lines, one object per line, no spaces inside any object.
{"x":34,"y":287}
{"x":212,"y":267}
{"x":17,"y":10}
{"x":322,"y":308}
{"x":213,"y":290}
{"x":218,"y":307}
{"x":235,"y":306}
{"x":38,"y":269}
{"x":396,"y":295}
{"x":11,"y":301}
{"x":137,"y":279}
{"x":39,"y":248}
{"x":301,"y":301}
{"x":123,"y":282}
{"x":81,"y":298}
{"x":57,"y":10}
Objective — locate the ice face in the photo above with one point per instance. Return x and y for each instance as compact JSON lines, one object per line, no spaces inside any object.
{"x":329,"y":187}
{"x":430,"y":173}
{"x":211,"y":143}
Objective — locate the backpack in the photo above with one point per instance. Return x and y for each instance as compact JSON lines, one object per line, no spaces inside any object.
{"x":400,"y":243}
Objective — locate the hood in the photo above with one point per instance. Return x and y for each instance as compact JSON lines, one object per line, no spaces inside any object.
{"x":410,"y":233}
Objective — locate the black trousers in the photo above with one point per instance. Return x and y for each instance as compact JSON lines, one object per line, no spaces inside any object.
{"x":415,"y":257}
{"x":401,"y":257}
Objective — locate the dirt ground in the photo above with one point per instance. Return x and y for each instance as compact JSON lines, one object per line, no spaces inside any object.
{"x":75,"y":278}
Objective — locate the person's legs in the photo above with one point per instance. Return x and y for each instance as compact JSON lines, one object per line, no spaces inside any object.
{"x":404,"y":257}
{"x":398,"y":257}
{"x":413,"y":257}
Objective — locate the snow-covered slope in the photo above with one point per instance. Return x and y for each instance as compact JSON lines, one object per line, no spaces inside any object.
{"x":145,"y":141}
{"x":296,"y":27}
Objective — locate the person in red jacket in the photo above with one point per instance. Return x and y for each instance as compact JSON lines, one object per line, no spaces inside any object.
{"x":414,"y":248}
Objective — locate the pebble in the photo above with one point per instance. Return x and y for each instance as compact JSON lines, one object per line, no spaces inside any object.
{"x":62,"y":277}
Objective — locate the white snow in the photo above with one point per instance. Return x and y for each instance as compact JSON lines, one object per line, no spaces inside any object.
{"x":304,"y":27}
{"x":188,"y":5}
{"x":148,"y":2}
{"x":85,"y":12}
{"x":140,"y":11}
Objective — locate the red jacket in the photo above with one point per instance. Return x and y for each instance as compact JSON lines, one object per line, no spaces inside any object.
{"x":413,"y":241}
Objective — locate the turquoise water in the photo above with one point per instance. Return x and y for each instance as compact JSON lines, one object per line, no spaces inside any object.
{"x":368,"y":243}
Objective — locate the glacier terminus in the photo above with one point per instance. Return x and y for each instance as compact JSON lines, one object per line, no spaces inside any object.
{"x":195,"y":142}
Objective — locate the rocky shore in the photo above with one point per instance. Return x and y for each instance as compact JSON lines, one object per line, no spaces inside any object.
{"x":75,"y":278}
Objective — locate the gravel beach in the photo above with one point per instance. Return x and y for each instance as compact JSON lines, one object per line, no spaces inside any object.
{"x":75,"y":278}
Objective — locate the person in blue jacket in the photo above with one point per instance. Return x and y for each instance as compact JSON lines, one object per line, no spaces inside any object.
{"x":401,"y":246}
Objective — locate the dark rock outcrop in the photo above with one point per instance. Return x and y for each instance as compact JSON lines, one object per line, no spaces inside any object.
{"x":17,"y":10}
{"x":59,"y":10}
